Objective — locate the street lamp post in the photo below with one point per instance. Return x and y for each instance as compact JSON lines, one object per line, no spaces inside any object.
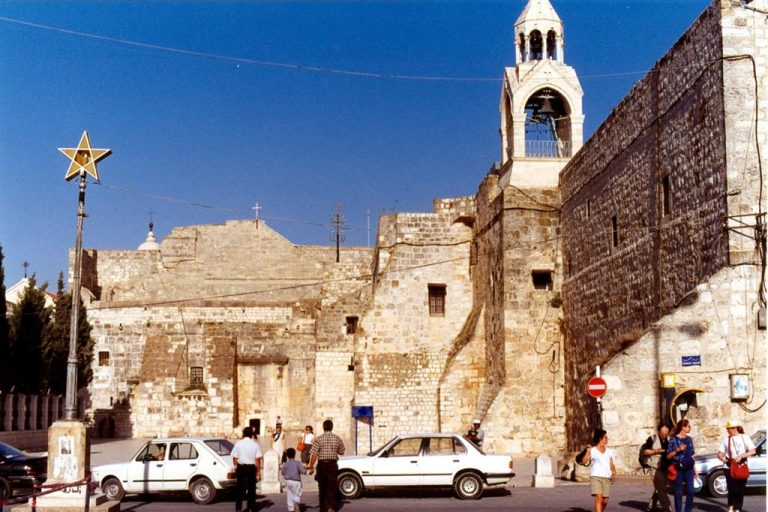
{"x":83,"y":161}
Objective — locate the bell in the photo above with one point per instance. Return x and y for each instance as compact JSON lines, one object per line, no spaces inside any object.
{"x":546,"y":107}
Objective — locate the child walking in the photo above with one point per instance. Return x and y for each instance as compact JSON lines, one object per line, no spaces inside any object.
{"x":292,"y":471}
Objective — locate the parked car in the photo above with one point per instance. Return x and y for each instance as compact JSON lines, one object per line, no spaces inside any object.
{"x":201,"y":466}
{"x":425,"y":460}
{"x":712,"y":470}
{"x":20,"y":471}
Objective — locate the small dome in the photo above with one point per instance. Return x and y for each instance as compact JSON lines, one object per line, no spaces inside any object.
{"x":150,"y":244}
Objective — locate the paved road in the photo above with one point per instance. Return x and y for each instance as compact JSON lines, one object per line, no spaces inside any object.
{"x":629,"y":494}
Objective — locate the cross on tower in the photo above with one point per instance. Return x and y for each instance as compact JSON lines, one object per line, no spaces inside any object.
{"x":256,"y":208}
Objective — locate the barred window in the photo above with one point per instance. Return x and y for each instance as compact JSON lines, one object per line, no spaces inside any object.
{"x":196,"y":377}
{"x":103,"y":358}
{"x":436,"y":299}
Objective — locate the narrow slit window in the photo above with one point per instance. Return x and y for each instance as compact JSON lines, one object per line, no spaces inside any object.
{"x":615,"y":231}
{"x":436,"y":299}
{"x":352,"y":324}
{"x":666,"y":196}
{"x":103,"y":358}
{"x":589,"y":207}
{"x":542,"y":279}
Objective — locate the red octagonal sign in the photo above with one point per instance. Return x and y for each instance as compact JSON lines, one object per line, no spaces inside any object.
{"x":597,"y":387}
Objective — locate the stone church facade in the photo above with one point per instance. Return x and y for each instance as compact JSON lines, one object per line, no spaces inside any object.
{"x":641,"y":251}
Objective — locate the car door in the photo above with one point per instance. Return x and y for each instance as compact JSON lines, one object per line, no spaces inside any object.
{"x":398,"y":465}
{"x":180,"y":464}
{"x":441,"y":459}
{"x":757,"y":464}
{"x":145,"y":471}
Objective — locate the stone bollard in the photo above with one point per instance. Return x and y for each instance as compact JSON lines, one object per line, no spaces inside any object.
{"x":543,"y":476}
{"x":270,"y":483}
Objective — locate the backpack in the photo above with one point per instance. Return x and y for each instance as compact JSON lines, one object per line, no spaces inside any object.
{"x":641,"y":457}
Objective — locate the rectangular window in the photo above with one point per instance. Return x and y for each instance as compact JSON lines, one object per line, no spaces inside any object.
{"x":103,"y":358}
{"x":615,"y":231}
{"x":589,"y":207}
{"x":196,"y":377}
{"x":665,"y":196}
{"x":542,"y":279}
{"x":436,"y":299}
{"x":351,"y":324}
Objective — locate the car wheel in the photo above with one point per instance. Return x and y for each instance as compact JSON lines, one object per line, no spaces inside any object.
{"x":203,"y":491}
{"x":113,"y":489}
{"x":468,"y":486}
{"x":350,"y":486}
{"x":5,"y":490}
{"x":717,"y":484}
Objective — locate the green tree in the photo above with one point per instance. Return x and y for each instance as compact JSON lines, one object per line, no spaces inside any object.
{"x":56,"y":345}
{"x":29,"y":321}
{"x":5,"y":367}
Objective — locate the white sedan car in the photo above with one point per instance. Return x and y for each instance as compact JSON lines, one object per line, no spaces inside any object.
{"x":415,"y":460}
{"x":198,"y":465}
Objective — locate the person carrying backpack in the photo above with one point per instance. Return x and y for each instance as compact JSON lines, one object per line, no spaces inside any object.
{"x":653,"y":455}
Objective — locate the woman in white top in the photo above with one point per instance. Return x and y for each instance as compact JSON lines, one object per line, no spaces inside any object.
{"x":735,"y":448}
{"x":278,"y":441}
{"x":600,"y":458}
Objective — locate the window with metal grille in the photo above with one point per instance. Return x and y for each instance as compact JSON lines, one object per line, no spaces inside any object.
{"x":196,"y":377}
{"x":103,"y":358}
{"x":615,"y":231}
{"x":666,"y":197}
{"x":436,"y":299}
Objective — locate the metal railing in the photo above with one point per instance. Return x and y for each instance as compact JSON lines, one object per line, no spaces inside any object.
{"x":43,"y":489}
{"x":547,"y":149}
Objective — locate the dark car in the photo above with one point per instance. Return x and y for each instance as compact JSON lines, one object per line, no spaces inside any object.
{"x":19,"y":471}
{"x":712,"y":470}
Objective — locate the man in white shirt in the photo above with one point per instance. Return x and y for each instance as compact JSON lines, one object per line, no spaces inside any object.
{"x":246,"y":455}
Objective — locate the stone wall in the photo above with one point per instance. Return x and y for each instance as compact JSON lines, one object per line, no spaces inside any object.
{"x":403,"y":351}
{"x":645,"y":209}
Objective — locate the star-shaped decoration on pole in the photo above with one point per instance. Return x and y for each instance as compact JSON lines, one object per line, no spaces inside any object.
{"x":83,"y":158}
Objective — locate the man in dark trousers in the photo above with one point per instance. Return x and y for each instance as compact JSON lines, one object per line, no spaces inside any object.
{"x":246,"y":455}
{"x":655,"y":448}
{"x":325,"y":452}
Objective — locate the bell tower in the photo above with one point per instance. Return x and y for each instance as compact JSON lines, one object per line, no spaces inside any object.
{"x":542,"y":124}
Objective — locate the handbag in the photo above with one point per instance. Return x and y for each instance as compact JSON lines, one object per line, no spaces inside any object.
{"x":300,"y":447}
{"x":672,"y":473}
{"x":738,"y":470}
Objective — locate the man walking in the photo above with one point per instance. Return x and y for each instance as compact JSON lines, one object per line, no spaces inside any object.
{"x":325,"y":452}
{"x":655,"y":448}
{"x":246,"y":455}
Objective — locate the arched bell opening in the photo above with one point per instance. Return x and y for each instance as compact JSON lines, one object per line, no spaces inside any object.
{"x":536,"y":45}
{"x":551,"y":45}
{"x":521,"y":46}
{"x":547,"y":125}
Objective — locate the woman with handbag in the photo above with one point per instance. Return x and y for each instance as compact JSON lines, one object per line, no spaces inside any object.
{"x":304,"y":445}
{"x":680,"y":450}
{"x":600,"y":457}
{"x":734,"y":451}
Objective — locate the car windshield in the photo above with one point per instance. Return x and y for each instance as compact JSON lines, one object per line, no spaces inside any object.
{"x":220,"y":446}
{"x":9,"y":452}
{"x":378,"y":450}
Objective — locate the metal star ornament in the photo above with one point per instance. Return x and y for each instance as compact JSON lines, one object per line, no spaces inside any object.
{"x":83,"y":158}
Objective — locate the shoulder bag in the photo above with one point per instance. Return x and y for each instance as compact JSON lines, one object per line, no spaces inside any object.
{"x":300,"y":445}
{"x":738,"y":470}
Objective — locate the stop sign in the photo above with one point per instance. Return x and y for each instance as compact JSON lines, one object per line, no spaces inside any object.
{"x":597,"y":387}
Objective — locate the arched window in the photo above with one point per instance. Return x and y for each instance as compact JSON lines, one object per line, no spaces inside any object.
{"x":551,"y":45}
{"x":547,"y":125}
{"x":537,"y":45}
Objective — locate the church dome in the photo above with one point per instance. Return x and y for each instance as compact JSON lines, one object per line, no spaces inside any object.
{"x":150,"y":244}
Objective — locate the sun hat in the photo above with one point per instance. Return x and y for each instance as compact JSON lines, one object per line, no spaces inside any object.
{"x":733,"y":423}
{"x":475,"y":421}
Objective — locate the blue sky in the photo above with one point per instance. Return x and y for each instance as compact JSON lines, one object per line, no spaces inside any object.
{"x":212,"y":107}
